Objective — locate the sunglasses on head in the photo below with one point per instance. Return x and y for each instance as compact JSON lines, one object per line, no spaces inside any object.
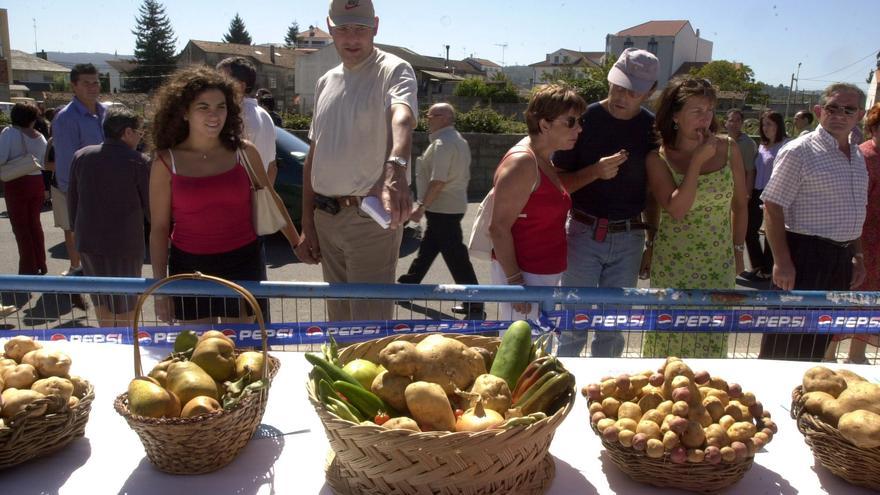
{"x":836,"y":109}
{"x":569,"y":121}
{"x":697,"y":83}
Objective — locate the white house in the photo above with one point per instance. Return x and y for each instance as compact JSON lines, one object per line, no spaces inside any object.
{"x":487,"y":67}
{"x":673,"y":42}
{"x":314,"y":37}
{"x":564,"y":59}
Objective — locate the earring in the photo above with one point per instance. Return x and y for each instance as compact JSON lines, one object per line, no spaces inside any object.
{"x":675,"y":126}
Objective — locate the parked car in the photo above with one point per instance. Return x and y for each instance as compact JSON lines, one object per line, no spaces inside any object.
{"x":291,"y":153}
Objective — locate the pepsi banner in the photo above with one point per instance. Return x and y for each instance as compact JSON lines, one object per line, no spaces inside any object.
{"x":607,"y":319}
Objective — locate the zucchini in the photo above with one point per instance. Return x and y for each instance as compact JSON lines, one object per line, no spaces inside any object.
{"x":529,"y":392}
{"x":367,"y":402}
{"x":513,"y":353}
{"x":541,"y":400}
{"x":335,"y":372}
{"x":344,"y":411}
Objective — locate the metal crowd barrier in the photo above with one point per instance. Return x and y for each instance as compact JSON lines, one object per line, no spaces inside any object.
{"x":298,"y":314}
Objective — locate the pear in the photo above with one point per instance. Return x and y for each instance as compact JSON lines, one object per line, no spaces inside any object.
{"x":200,"y":405}
{"x":146,"y":398}
{"x":210,"y":334}
{"x":185,"y":341}
{"x":250,"y":362}
{"x":216,"y":356}
{"x":160,"y":372}
{"x":187,"y":380}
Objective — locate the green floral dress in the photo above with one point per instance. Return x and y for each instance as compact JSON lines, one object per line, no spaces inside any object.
{"x":695,"y":253}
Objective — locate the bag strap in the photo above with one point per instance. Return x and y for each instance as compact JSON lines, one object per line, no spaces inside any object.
{"x":525,"y":149}
{"x":249,"y":169}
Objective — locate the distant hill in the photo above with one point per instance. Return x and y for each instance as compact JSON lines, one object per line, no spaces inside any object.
{"x":98,"y":59}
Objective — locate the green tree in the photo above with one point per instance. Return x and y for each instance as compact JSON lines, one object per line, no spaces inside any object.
{"x":292,"y":33}
{"x":499,"y":90}
{"x":589,"y":81}
{"x":153,"y":48}
{"x":237,"y":32}
{"x":731,"y":76}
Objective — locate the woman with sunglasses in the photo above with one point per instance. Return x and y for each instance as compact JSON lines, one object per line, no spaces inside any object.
{"x":773,"y":138}
{"x":531,"y":205}
{"x":698,"y":180}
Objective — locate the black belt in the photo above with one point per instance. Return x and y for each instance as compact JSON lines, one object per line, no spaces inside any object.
{"x":840,"y":244}
{"x":332,"y":205}
{"x":614,"y":226}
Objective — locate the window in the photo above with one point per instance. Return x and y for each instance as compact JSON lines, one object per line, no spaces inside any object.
{"x":272,"y":84}
{"x":556,"y":59}
{"x":652,"y":46}
{"x":565,"y":59}
{"x":628,"y":43}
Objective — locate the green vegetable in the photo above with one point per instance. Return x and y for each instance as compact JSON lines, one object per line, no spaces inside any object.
{"x":335,"y":372}
{"x":513,"y":353}
{"x":548,"y":393}
{"x":532,"y":390}
{"x":533,"y":372}
{"x":367,"y":402}
{"x":325,"y":390}
{"x":342,"y":410}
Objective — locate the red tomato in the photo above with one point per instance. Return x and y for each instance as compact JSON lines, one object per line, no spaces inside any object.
{"x":381,"y":418}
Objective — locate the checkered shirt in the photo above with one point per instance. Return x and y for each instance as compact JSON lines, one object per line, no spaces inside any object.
{"x":821,"y":192}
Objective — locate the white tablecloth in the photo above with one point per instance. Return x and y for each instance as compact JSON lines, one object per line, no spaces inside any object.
{"x":289,"y":458}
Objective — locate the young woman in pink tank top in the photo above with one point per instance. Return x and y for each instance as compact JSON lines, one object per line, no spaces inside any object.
{"x":200,"y":194}
{"x":531,"y":205}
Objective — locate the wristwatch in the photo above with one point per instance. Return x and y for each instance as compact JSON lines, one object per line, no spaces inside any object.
{"x":398,"y":160}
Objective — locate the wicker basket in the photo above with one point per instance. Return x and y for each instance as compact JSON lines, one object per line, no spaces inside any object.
{"x":854,"y":464}
{"x":374,"y":460}
{"x":662,"y":472}
{"x":28,"y":438}
{"x":205,"y":443}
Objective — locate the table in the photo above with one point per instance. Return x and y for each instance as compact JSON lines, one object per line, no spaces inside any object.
{"x":289,"y":455}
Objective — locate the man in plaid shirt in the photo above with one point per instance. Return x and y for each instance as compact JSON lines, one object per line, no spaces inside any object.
{"x":814,"y":208}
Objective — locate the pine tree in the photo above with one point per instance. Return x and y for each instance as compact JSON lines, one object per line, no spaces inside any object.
{"x":292,"y":32}
{"x":154,"y":48}
{"x":237,"y":32}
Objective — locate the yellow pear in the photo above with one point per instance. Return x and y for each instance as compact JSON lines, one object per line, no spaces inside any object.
{"x":250,"y":362}
{"x":187,"y":380}
{"x":146,"y":398}
{"x":216,"y":356}
{"x":200,"y":405}
{"x":211,"y":334}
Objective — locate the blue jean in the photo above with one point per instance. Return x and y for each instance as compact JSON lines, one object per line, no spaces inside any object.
{"x":614,"y":262}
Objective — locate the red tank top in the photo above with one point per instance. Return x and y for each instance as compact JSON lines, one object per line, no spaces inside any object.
{"x":211,"y":214}
{"x":539,"y":232}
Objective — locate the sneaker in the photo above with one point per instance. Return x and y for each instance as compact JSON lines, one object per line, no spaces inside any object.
{"x":468,"y":309}
{"x":7,"y":310}
{"x":73,"y":272}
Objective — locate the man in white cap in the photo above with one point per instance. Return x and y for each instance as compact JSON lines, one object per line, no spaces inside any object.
{"x":605,"y":174}
{"x":361,"y":134}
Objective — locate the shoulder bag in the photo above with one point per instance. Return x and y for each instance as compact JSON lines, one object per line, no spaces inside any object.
{"x":480,"y":243}
{"x":20,"y":166}
{"x":267,"y":216}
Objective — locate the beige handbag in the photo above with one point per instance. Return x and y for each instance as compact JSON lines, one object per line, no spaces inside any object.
{"x":20,"y":166}
{"x":267,"y":217}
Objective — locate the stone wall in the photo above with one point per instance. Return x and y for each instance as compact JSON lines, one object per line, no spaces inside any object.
{"x":486,"y":152}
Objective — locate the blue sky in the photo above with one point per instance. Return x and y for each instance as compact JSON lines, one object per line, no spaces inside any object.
{"x":836,"y":43}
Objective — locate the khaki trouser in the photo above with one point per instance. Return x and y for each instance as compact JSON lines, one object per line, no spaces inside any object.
{"x":355,"y":249}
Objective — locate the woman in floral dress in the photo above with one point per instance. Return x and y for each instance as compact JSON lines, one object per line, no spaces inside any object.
{"x":698,"y":180}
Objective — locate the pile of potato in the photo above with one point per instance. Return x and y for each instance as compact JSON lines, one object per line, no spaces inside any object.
{"x":845,"y":401}
{"x":29,"y":373}
{"x":689,"y":417}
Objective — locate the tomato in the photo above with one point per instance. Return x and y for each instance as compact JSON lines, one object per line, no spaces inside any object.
{"x":381,"y":418}
{"x":458,"y":413}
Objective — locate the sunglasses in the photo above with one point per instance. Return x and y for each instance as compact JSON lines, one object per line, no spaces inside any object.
{"x":697,"y":83}
{"x":569,"y":121}
{"x":836,"y":109}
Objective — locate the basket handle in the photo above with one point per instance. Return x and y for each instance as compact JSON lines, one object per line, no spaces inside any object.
{"x":244,"y":293}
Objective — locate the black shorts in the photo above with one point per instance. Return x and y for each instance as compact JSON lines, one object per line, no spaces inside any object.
{"x":243,"y":263}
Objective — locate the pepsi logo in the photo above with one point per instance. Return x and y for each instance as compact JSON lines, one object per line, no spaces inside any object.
{"x":57,"y":336}
{"x":824,"y":320}
{"x":401,"y":327}
{"x":488,"y":323}
{"x":229,"y":333}
{"x":144,"y":338}
{"x":664,"y":319}
{"x":746,"y":320}
{"x":580,"y":320}
{"x":314,"y":332}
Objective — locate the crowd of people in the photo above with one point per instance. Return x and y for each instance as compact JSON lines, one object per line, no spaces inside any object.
{"x":595,"y":195}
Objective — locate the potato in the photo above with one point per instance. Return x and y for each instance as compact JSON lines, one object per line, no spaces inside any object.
{"x":16,"y":347}
{"x":822,"y":379}
{"x":741,"y":431}
{"x":595,"y":407}
{"x":56,"y":386}
{"x":625,"y":437}
{"x":49,"y":363}
{"x":654,"y":448}
{"x":80,"y":386}
{"x":649,"y":429}
{"x":391,"y":388}
{"x":610,"y":406}
{"x":602,"y":424}
{"x":721,"y":395}
{"x":719,"y":383}
{"x":716,"y":435}
{"x":726,"y":421}
{"x":21,"y":376}
{"x":448,"y":363}
{"x":693,"y":436}
{"x":734,"y":411}
{"x":494,"y":391}
{"x":714,"y":407}
{"x":695,"y":456}
{"x":608,"y":387}
{"x":665,"y":407}
{"x":849,"y":376}
{"x":5,"y":364}
{"x":671,"y":440}
{"x":861,"y":427}
{"x":861,"y":395}
{"x":653,"y":415}
{"x":429,"y":406}
{"x":629,"y":410}
{"x":814,"y":401}
{"x":626,"y":424}
{"x":14,"y":401}
{"x":399,"y":357}
{"x":401,"y":423}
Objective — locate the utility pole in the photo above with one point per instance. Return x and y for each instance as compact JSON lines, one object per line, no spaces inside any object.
{"x":35,"y":34}
{"x":503,"y":48}
{"x":791,"y":87}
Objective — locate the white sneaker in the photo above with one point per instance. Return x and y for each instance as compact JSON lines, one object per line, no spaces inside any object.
{"x":7,"y":310}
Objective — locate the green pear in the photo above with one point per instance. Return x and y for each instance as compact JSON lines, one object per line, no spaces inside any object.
{"x":216,"y":356}
{"x":250,"y":363}
{"x":187,"y":380}
{"x":146,"y":398}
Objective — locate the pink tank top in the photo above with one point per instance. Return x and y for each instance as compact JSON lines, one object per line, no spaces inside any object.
{"x":539,"y":232}
{"x":211,"y":214}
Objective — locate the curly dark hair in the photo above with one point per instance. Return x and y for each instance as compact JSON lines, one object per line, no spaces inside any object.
{"x":674,"y":96}
{"x":174,"y":98}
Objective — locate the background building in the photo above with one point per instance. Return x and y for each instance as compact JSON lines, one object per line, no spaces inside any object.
{"x":35,"y":75}
{"x":5,"y":57}
{"x":565,"y":59}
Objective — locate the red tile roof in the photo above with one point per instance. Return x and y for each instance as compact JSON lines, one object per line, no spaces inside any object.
{"x":313,"y":33}
{"x":284,"y":57}
{"x":655,"y":28}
